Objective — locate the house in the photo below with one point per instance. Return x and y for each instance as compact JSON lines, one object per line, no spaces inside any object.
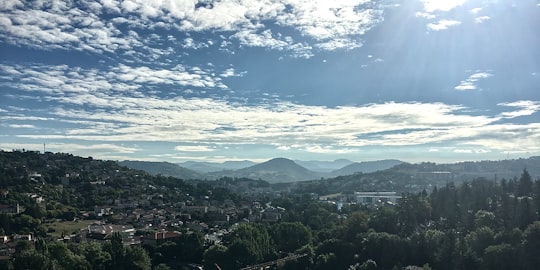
{"x":7,"y":249}
{"x":157,"y":238}
{"x":103,"y":211}
{"x":104,"y":232}
{"x":22,"y":237}
{"x":195,"y":209}
{"x":4,"y":239}
{"x":271,"y":214}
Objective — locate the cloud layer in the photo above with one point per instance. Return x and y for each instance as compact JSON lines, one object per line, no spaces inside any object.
{"x":118,"y":27}
{"x":109,"y":107}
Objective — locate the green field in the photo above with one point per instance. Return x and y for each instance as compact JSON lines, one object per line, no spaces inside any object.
{"x":67,"y":227}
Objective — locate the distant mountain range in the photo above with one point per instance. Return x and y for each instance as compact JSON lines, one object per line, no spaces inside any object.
{"x":280,"y":170}
{"x":324,"y":166}
{"x":206,"y":167}
{"x":274,"y":171}
{"x":163,"y":168}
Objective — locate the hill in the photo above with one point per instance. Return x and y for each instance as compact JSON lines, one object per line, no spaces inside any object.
{"x":163,"y":168}
{"x":366,"y":167}
{"x":276,"y":170}
{"x":323,"y":166}
{"x":407,"y":177}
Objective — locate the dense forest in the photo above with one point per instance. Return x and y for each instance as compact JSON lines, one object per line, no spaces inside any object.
{"x":479,"y":224}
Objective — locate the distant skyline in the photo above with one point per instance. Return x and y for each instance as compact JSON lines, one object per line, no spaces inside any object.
{"x":414,"y":80}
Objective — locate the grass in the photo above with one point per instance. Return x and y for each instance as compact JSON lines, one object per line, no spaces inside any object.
{"x":66,"y":227}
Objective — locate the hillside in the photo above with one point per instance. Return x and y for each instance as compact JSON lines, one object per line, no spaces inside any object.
{"x":324,"y":166}
{"x":366,"y":167}
{"x":207,"y":167}
{"x":407,"y":177}
{"x":163,"y":168}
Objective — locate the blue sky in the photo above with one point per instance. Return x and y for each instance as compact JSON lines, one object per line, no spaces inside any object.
{"x":416,"y":80}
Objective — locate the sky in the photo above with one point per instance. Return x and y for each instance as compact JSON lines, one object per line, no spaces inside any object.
{"x":177,"y":80}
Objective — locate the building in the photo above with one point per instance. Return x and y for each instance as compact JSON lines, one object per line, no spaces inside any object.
{"x":376,"y":197}
{"x":10,"y":209}
{"x":105,"y":232}
{"x":157,"y":238}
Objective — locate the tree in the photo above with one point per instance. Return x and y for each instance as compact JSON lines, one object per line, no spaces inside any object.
{"x":531,"y":246}
{"x":190,"y":247}
{"x":384,"y":220}
{"x":378,"y":247}
{"x":326,"y":261}
{"x":484,"y":218}
{"x":217,"y":255}
{"x":368,"y":265}
{"x":117,"y":250}
{"x":525,"y":184}
{"x":356,"y":223}
{"x":31,"y":259}
{"x":98,"y":258}
{"x":137,"y":258}
{"x":479,"y":239}
{"x":290,"y":236}
{"x":498,"y":257}
{"x":413,"y":210}
{"x":161,"y":266}
{"x":250,"y":244}
{"x":63,"y":257}
{"x":339,"y":254}
{"x":303,"y":263}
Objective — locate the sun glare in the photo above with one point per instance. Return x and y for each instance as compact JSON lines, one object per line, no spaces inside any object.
{"x":441,"y":5}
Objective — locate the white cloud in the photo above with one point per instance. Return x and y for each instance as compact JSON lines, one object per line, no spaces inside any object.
{"x":425,"y":15}
{"x":190,"y":43}
{"x":526,"y":107}
{"x":82,"y":26}
{"x":475,"y":10}
{"x":434,"y":9}
{"x":442,"y":25}
{"x":336,"y":44}
{"x":482,"y":19}
{"x":470,"y":83}
{"x":471,"y":151}
{"x":64,"y":81}
{"x":230,"y":72}
{"x":22,"y":126}
{"x":328,"y":150}
{"x":326,"y":20}
{"x":252,"y":38}
{"x":194,"y":148}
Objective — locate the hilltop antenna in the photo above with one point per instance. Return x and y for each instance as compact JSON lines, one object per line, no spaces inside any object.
{"x":43,"y":148}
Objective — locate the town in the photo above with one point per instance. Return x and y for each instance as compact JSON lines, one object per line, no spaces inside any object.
{"x":57,"y":203}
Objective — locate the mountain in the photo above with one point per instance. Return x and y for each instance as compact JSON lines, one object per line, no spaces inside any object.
{"x":366,"y":167}
{"x":274,"y":171}
{"x":323,"y":166}
{"x":208,"y":167}
{"x":163,"y":168}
